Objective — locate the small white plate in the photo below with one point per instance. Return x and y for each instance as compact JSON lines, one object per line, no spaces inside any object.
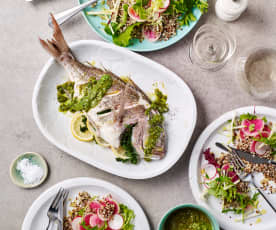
{"x":36,"y":217}
{"x":55,"y":126}
{"x":207,"y":139}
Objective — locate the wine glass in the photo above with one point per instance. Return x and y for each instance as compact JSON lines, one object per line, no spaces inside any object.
{"x":212,"y":47}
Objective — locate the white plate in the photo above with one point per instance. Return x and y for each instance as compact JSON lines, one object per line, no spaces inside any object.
{"x":55,"y":126}
{"x":207,"y":139}
{"x":36,"y":217}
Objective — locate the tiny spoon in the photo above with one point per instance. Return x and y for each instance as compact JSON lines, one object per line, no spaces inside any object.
{"x":63,"y":16}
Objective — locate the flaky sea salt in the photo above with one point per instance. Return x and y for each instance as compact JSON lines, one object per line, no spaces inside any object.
{"x":31,"y":173}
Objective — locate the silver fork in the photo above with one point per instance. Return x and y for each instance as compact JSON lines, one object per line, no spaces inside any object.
{"x":248,"y":177}
{"x":54,"y":207}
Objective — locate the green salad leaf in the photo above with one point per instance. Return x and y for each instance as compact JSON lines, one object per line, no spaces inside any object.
{"x":271,"y":141}
{"x":248,"y":116}
{"x":185,"y":8}
{"x":124,"y":38}
{"x":128,"y":216}
{"x":224,"y":189}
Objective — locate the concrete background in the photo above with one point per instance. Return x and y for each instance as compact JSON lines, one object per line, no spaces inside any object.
{"x":21,"y":59}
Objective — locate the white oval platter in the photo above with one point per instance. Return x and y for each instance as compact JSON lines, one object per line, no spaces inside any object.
{"x":55,"y":126}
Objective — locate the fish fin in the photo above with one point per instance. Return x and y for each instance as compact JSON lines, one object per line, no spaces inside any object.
{"x":56,"y":46}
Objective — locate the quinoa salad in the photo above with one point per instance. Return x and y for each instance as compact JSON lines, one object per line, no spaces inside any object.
{"x":255,"y":135}
{"x":153,"y":20}
{"x":98,"y":213}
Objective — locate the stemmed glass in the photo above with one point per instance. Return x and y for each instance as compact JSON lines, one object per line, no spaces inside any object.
{"x":212,"y":47}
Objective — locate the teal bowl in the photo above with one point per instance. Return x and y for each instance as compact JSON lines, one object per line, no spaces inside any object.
{"x":36,"y":159}
{"x":214,"y":223}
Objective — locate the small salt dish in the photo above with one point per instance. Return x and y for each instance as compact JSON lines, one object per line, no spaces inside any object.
{"x":36,"y":160}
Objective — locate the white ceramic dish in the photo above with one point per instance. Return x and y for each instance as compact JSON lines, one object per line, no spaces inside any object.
{"x":36,"y":217}
{"x":207,"y":139}
{"x":55,"y":126}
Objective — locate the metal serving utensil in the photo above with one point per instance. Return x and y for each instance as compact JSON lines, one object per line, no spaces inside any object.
{"x":53,"y":212}
{"x":64,"y":16}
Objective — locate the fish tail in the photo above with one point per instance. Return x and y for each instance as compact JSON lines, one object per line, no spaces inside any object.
{"x":57,"y":46}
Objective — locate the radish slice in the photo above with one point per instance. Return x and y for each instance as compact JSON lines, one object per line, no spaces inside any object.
{"x":116,"y":222}
{"x":95,"y":221}
{"x":94,"y":206}
{"x":259,"y":148}
{"x":252,"y":127}
{"x":101,"y":216}
{"x":76,"y":223}
{"x":225,"y":167}
{"x":267,"y":129}
{"x":86,"y":219}
{"x":117,"y":206}
{"x":134,"y":15}
{"x":151,"y":35}
{"x":210,"y":170}
{"x":242,"y":134}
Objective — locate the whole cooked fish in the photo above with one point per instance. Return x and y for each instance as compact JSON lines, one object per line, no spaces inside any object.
{"x":124,"y":108}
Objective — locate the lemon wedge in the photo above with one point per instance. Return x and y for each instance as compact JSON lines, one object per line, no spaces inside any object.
{"x":76,"y":124}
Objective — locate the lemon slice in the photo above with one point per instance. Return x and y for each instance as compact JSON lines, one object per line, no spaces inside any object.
{"x":76,"y":123}
{"x":100,"y":141}
{"x":119,"y":152}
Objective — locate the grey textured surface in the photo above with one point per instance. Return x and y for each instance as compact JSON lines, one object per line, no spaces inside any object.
{"x":22,"y":58}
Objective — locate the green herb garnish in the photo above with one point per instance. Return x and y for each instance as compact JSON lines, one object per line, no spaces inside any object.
{"x":251,"y":127}
{"x":248,"y":116}
{"x":126,"y":144}
{"x":103,"y":111}
{"x":83,"y":127}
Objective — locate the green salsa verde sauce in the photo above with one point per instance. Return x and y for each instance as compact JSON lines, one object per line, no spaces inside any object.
{"x":156,"y":121}
{"x":91,"y":92}
{"x":188,"y":219}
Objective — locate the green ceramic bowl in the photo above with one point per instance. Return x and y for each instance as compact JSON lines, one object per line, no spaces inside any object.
{"x":35,"y":158}
{"x":211,"y":218}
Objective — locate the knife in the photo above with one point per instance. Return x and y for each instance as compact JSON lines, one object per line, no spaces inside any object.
{"x":245,"y":155}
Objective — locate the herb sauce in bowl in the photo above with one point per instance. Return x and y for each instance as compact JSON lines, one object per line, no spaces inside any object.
{"x":189,"y":219}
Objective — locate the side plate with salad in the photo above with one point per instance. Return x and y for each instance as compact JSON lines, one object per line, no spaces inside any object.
{"x":144,"y":25}
{"x":86,"y":207}
{"x":213,"y":179}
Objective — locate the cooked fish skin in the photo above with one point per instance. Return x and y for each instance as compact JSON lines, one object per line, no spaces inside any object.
{"x":126,"y":100}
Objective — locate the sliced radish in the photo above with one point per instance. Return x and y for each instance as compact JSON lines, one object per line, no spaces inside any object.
{"x":252,"y":127}
{"x":233,"y":175}
{"x":134,"y":15}
{"x":86,"y":219}
{"x":267,"y":129}
{"x":225,"y":167}
{"x":242,"y":134}
{"x":259,"y":147}
{"x":152,"y":33}
{"x":76,"y":223}
{"x":210,"y":170}
{"x":95,"y":221}
{"x":116,"y":222}
{"x":102,"y":217}
{"x":116,"y":205}
{"x":94,"y":206}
